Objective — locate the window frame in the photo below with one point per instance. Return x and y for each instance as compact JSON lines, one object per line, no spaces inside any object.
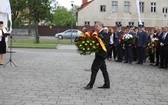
{"x":102,"y":8}
{"x":114,"y":6}
{"x":127,"y":6}
{"x":153,"y":7}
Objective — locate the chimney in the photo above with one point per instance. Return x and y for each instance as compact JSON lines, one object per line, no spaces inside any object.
{"x":84,"y":2}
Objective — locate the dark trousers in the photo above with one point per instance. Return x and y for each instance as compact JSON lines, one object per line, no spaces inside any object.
{"x":140,"y":54}
{"x":111,"y":50}
{"x":151,"y":56}
{"x":157,"y":55}
{"x":134,"y":53}
{"x":163,"y":57}
{"x":128,"y":53}
{"x":99,"y":63}
{"x":119,"y":53}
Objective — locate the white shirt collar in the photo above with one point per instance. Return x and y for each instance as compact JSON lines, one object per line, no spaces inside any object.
{"x":100,"y":30}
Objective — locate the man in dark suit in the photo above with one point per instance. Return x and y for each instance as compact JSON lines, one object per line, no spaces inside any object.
{"x":158,"y":33}
{"x":118,"y":44}
{"x":99,"y":61}
{"x":128,"y":46}
{"x":164,"y":48}
{"x":141,"y":44}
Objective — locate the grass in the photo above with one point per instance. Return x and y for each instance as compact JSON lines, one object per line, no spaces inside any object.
{"x":29,"y":42}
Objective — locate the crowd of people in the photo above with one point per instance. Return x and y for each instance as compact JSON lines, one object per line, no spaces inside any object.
{"x":149,"y":45}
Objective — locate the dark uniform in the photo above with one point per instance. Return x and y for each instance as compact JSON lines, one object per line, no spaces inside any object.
{"x":128,"y":50}
{"x":118,"y":44}
{"x":164,"y":50}
{"x":141,"y":44}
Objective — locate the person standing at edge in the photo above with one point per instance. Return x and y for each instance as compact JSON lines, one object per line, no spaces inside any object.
{"x":164,"y":48}
{"x":99,"y":61}
{"x":2,"y":42}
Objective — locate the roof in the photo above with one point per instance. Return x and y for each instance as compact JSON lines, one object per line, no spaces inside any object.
{"x":84,"y":5}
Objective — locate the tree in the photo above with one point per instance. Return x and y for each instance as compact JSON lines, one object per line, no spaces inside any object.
{"x":32,"y":10}
{"x":17,"y":6}
{"x":63,"y":17}
{"x":39,"y":10}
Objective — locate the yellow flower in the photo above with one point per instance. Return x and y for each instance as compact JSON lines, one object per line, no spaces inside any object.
{"x":93,"y":41}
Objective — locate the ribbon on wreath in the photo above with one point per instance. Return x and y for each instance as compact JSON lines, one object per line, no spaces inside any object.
{"x":100,"y":41}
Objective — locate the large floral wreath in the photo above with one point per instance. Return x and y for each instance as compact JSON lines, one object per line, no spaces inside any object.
{"x":88,"y":43}
{"x":152,"y":45}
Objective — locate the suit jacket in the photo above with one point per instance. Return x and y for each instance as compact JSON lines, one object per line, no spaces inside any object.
{"x":142,"y":39}
{"x":164,"y":41}
{"x":105,"y":38}
{"x":117,"y":37}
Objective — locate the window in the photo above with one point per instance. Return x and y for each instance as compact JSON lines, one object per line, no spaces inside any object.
{"x":114,"y":6}
{"x":102,"y":8}
{"x":118,"y":23}
{"x":96,"y":22}
{"x":126,"y":6}
{"x":165,"y":10}
{"x":87,"y":23}
{"x":153,"y":6}
{"x":131,"y":23}
{"x":141,"y":6}
{"x":142,"y":23}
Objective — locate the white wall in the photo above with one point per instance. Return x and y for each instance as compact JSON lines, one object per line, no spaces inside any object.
{"x":92,"y":13}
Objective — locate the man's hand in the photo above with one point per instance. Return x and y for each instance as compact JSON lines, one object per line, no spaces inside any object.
{"x":161,"y":44}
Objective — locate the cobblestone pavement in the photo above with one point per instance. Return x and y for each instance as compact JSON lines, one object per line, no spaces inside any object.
{"x":57,"y":77}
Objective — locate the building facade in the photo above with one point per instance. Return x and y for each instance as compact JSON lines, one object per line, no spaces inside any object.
{"x":112,"y":12}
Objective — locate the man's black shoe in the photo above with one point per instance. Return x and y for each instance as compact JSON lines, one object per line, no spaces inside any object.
{"x":88,"y":87}
{"x":161,"y":67}
{"x":156,"y":64}
{"x":165,"y":67}
{"x":1,"y":64}
{"x":126,"y":62}
{"x":104,"y":87}
{"x":118,"y":61}
{"x":138,"y":63}
{"x":130,"y":62}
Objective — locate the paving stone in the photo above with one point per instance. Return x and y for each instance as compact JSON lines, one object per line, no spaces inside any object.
{"x":57,"y":77}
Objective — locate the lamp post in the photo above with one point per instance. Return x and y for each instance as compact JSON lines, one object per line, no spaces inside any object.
{"x":72,"y":4}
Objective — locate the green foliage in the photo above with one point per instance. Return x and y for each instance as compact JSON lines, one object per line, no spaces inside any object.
{"x":31,"y":10}
{"x":63,"y":17}
{"x":39,"y":10}
{"x":17,"y":6}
